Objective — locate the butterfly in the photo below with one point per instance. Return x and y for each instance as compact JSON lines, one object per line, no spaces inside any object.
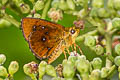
{"x":47,"y":39}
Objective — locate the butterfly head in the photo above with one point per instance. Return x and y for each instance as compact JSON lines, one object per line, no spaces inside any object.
{"x":74,"y":31}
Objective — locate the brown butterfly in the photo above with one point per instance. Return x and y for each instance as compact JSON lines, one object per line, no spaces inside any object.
{"x":47,"y":39}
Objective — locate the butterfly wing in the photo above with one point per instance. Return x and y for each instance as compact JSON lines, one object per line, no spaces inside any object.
{"x":28,"y":25}
{"x":44,"y":37}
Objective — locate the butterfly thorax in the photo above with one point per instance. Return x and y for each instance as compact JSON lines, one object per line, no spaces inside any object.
{"x":70,"y":36}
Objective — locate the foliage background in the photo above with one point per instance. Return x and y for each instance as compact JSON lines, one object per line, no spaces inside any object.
{"x":14,"y":46}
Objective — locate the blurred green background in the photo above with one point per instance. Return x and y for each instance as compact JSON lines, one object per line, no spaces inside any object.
{"x":14,"y":46}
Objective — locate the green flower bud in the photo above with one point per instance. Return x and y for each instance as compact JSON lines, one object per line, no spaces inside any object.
{"x":71,"y":4}
{"x":116,"y":23}
{"x":64,"y":62}
{"x":104,"y":72}
{"x":95,"y":75}
{"x":36,"y":15}
{"x":109,"y":23}
{"x":81,"y":14}
{"x":30,"y":69}
{"x":119,"y":69}
{"x":4,"y":2}
{"x":80,"y":2}
{"x":63,"y":5}
{"x":112,"y":70}
{"x":25,"y":8}
{"x":29,"y":15}
{"x":17,"y":2}
{"x":13,"y":67}
{"x":97,"y":63}
{"x":41,"y":69}
{"x":98,"y":3}
{"x":55,"y":15}
{"x":3,"y":71}
{"x":0,"y":6}
{"x":50,"y":70}
{"x":68,"y":70}
{"x":110,"y":4}
{"x":55,"y":3}
{"x":117,"y":60}
{"x":99,"y":49}
{"x":72,"y":59}
{"x":4,"y":23}
{"x":117,"y":49}
{"x":119,"y":75}
{"x":89,"y":41}
{"x":32,"y":1}
{"x":56,"y":78}
{"x":83,"y":65}
{"x":116,"y":4}
{"x":113,"y":13}
{"x":2,"y":59}
{"x":94,"y":12}
{"x":102,"y":12}
{"x":82,"y":57}
{"x":91,"y":68}
{"x":117,"y":14}
{"x":39,"y":5}
{"x":27,"y":69}
{"x":85,"y":76}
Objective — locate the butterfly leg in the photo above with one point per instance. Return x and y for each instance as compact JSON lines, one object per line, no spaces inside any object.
{"x":75,"y":49}
{"x":78,"y":48}
{"x":63,"y":49}
{"x":65,"y":55}
{"x":68,"y":51}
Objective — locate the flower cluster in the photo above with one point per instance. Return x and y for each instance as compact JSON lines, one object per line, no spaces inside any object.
{"x":22,"y":8}
{"x":12,"y":69}
{"x":34,"y":70}
{"x":74,"y":68}
{"x":104,"y":40}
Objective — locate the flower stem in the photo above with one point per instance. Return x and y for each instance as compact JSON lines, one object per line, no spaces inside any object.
{"x":11,"y":20}
{"x":113,"y":31}
{"x":109,"y":58}
{"x":81,"y":38}
{"x":111,"y":71}
{"x":47,"y":5}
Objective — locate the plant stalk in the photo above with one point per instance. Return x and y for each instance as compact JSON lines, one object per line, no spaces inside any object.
{"x":109,"y":58}
{"x":45,"y":10}
{"x":81,"y":38}
{"x":11,"y":20}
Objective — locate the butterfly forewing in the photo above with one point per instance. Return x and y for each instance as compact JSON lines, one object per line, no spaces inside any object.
{"x":43,"y":36}
{"x":28,"y":25}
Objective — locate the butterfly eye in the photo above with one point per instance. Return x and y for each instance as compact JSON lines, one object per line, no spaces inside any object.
{"x":72,"y":31}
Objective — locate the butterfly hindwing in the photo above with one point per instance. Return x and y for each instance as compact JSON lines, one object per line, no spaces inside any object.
{"x":44,"y":40}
